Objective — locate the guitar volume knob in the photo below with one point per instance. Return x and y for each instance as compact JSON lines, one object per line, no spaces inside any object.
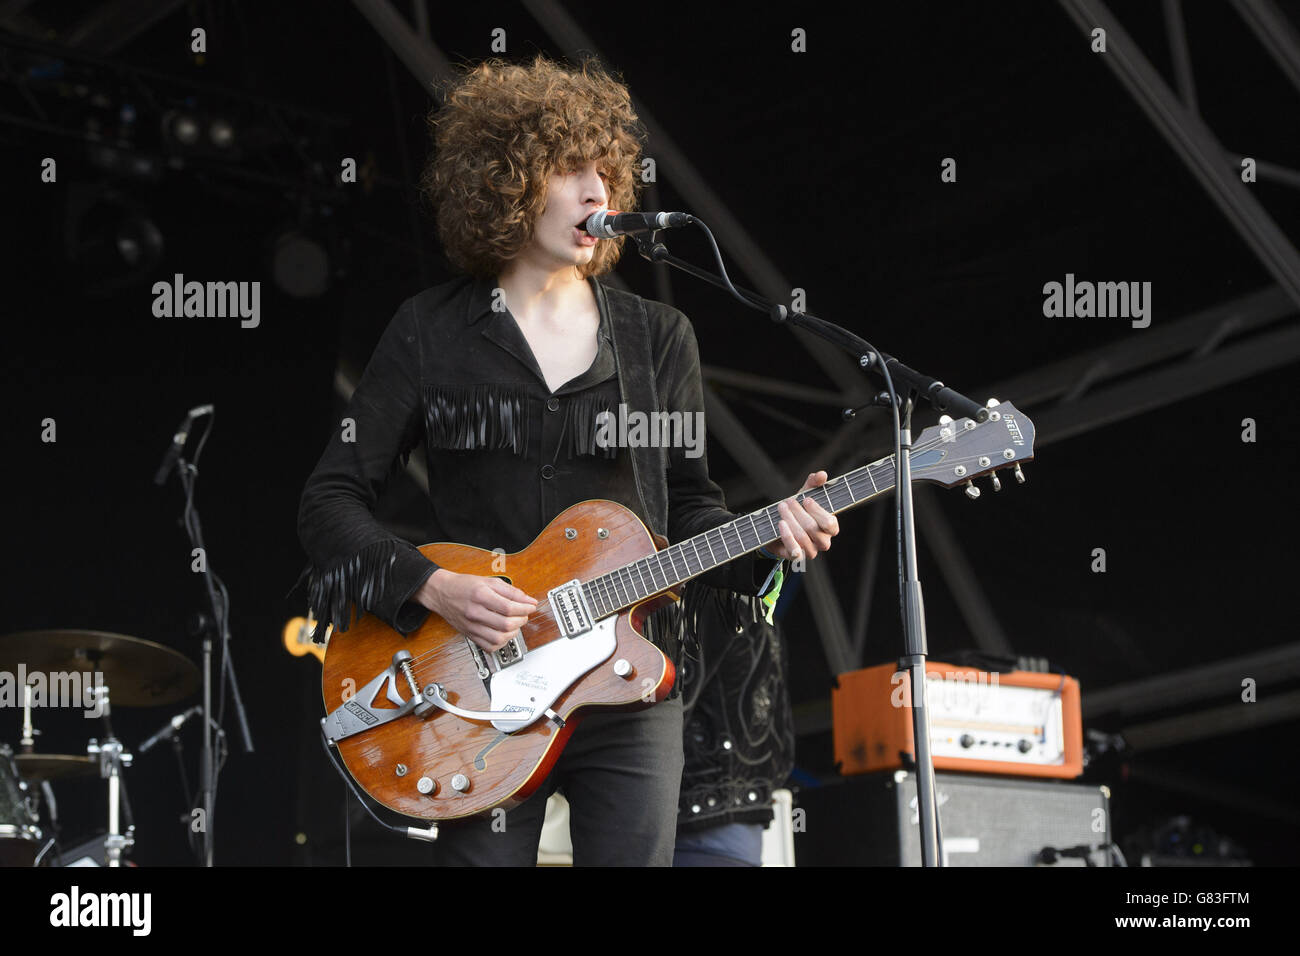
{"x":623,"y":668}
{"x":460,"y":783}
{"x":426,"y":785}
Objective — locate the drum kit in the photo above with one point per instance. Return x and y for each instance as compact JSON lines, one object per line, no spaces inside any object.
{"x":90,"y":668}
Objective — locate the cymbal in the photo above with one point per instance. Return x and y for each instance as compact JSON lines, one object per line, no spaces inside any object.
{"x":138,"y":673}
{"x":54,"y":766}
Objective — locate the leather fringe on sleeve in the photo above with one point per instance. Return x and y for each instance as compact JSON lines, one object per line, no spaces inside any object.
{"x":676,"y":626}
{"x":355,"y":585}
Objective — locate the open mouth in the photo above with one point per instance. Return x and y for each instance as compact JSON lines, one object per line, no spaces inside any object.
{"x":583,"y":236}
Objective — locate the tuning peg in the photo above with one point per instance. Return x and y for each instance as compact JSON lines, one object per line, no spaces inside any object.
{"x":971,"y":491}
{"x":997,"y":482}
{"x":1020,"y":475}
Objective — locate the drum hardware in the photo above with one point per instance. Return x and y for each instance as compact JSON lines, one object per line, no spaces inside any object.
{"x":141,"y":673}
{"x":112,"y":757}
{"x":20,"y":833}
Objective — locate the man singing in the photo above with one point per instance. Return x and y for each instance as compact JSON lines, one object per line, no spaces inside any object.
{"x":502,"y":375}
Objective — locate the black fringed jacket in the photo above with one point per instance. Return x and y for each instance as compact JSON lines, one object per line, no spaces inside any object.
{"x":504,"y":453}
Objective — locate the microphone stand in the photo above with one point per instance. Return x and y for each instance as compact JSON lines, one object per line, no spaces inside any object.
{"x":912,"y":607}
{"x":207,"y":765}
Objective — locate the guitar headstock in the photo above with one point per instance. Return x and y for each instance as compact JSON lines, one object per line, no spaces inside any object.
{"x":956,"y":452}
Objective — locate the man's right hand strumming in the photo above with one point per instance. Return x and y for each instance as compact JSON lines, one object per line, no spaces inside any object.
{"x":485,"y":609}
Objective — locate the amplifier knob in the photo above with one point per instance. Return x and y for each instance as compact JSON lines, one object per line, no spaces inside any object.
{"x":1024,"y":746}
{"x":967,"y":740}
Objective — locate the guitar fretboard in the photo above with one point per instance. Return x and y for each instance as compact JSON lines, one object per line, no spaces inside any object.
{"x":678,"y":563}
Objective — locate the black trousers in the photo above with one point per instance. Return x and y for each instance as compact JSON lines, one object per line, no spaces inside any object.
{"x":620,"y":772}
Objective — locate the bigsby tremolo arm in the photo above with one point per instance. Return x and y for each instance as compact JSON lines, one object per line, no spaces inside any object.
{"x":435,"y":696}
{"x":358,"y":713}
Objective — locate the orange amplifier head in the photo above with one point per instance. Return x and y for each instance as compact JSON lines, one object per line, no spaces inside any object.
{"x":1019,"y":723}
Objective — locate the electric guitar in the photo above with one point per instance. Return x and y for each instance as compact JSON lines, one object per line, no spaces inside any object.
{"x":433,"y":727}
{"x":299,"y":637}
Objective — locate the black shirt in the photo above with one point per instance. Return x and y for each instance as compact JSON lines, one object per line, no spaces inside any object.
{"x":505,"y":454}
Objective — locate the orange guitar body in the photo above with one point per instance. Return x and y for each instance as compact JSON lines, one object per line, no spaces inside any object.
{"x":396,"y":761}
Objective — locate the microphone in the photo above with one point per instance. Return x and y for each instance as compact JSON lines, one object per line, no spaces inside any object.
{"x":173,"y":725}
{"x":178,"y":442}
{"x":608,"y":223}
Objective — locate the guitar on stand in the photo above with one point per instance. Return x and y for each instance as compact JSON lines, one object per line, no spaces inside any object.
{"x":433,"y":727}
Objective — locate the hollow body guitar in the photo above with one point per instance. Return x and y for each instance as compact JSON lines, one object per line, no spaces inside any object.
{"x":433,"y":727}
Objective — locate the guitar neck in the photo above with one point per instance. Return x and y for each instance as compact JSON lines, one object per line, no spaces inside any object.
{"x":678,"y":563}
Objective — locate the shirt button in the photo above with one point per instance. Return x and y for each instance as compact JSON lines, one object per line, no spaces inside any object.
{"x":548,"y":471}
{"x":552,"y":404}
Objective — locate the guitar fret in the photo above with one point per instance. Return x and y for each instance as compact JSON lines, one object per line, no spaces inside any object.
{"x":659,"y":560}
{"x":671,"y":556}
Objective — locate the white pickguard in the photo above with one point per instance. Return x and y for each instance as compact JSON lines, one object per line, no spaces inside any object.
{"x":542,"y":675}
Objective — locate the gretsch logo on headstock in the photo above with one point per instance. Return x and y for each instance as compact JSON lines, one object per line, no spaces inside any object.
{"x":1014,"y":429}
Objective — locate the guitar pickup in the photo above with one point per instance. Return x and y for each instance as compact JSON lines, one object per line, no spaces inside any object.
{"x":569,"y":604}
{"x":511,"y":651}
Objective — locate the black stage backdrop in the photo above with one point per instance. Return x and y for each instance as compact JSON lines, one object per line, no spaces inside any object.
{"x":831,"y":160}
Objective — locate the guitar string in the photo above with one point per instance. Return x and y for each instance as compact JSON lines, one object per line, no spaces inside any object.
{"x":841,"y":484}
{"x":544,"y":610}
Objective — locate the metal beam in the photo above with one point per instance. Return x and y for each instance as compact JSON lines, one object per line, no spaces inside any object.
{"x":826,"y":609}
{"x":1193,"y":142}
{"x":756,"y":382}
{"x":867,"y":582}
{"x":421,"y":56}
{"x":1177,"y":30}
{"x":1215,"y":722}
{"x":1166,"y":386}
{"x":1073,"y":377}
{"x":1218,"y":681}
{"x":1275,"y":32}
{"x":946,"y":550}
{"x":111,"y":26}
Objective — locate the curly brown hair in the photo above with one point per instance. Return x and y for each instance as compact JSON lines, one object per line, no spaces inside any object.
{"x":502,"y":131}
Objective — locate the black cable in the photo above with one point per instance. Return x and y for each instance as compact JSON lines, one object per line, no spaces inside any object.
{"x":408,"y":832}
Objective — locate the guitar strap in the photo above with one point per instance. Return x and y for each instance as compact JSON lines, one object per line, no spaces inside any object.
{"x":630,"y":331}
